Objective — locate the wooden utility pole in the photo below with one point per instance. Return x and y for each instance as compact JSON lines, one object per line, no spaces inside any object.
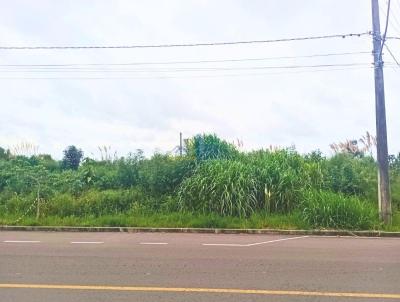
{"x":385,"y":210}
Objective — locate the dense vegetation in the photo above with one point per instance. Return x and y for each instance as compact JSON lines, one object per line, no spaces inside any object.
{"x":212,"y":185}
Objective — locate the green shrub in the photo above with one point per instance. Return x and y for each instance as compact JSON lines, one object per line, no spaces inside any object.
{"x":128,"y":169}
{"x":209,"y":146}
{"x":162,"y":174}
{"x":324,"y":209}
{"x":350,"y":175}
{"x":13,"y":203}
{"x":93,"y":203}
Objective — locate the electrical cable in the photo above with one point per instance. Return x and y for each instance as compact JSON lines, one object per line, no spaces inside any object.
{"x":186,"y":77}
{"x":386,"y":28}
{"x":347,"y":35}
{"x":191,"y":69}
{"x":392,"y":55}
{"x":188,"y":62}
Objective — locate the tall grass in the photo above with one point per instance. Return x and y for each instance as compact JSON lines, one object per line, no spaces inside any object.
{"x":212,"y":178}
{"x":324,"y":209}
{"x":282,"y":175}
{"x":268,"y":181}
{"x":223,"y":187}
{"x":168,"y":220}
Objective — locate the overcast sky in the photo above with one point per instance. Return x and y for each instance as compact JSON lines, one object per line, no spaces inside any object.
{"x":146,"y":106}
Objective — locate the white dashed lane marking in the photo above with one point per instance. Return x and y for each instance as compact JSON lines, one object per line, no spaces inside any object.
{"x":21,"y":241}
{"x":87,"y":242}
{"x":253,"y":244}
{"x":154,"y":243}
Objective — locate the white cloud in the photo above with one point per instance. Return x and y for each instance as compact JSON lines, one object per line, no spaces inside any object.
{"x":309,"y":110}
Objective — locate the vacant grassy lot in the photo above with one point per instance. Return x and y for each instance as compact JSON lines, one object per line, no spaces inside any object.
{"x":212,"y":185}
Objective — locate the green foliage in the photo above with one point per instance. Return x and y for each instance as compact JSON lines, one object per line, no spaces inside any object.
{"x":394,"y":162}
{"x":92,"y":203}
{"x":4,"y":154}
{"x":213,"y":184}
{"x":168,"y":220}
{"x":261,"y":180}
{"x":209,"y":146}
{"x":128,"y":169}
{"x":324,"y":209}
{"x":162,"y":174}
{"x":221,"y":186}
{"x":72,"y":158}
{"x":349,"y":175}
{"x":282,"y":175}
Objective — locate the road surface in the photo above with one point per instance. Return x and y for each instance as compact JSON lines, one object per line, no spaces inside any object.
{"x":48,"y":267}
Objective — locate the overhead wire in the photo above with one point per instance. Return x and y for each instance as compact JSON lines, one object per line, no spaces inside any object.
{"x":395,"y":6}
{"x":386,"y":28}
{"x":346,"y":35}
{"x":233,"y":60}
{"x":392,"y":55}
{"x":188,"y":76}
{"x":395,"y":26}
{"x":73,"y":68}
{"x":184,"y":69}
{"x":395,"y":23}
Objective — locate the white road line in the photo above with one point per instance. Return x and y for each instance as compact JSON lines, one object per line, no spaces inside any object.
{"x":277,"y":240}
{"x":87,"y":242}
{"x":21,"y":241}
{"x":223,"y":244}
{"x":253,"y":244}
{"x":155,"y":243}
{"x":351,"y":237}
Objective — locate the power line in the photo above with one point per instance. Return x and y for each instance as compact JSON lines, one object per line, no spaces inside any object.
{"x":386,"y":28}
{"x":396,"y":4}
{"x":347,"y":35}
{"x":191,"y":69}
{"x":393,"y":20}
{"x":392,"y":55}
{"x":189,"y":62}
{"x":187,"y":77}
{"x":395,"y":23}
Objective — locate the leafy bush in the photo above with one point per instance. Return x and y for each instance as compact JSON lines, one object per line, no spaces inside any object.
{"x":128,"y":169}
{"x":334,"y":210}
{"x":162,"y":174}
{"x":72,"y":158}
{"x":350,"y":175}
{"x":209,"y":146}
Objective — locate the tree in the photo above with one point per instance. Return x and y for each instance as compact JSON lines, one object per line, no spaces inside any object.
{"x":72,"y":158}
{"x":209,"y":146}
{"x":4,"y":154}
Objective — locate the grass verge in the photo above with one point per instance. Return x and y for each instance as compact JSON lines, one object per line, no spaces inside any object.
{"x":293,"y":221}
{"x":167,"y":220}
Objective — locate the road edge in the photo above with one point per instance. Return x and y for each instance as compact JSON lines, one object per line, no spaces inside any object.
{"x":201,"y":230}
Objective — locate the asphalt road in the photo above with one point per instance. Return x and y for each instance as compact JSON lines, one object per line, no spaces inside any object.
{"x":45,"y":266}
